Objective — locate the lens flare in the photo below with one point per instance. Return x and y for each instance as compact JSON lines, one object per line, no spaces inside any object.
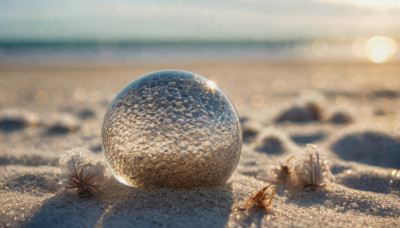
{"x":380,"y":49}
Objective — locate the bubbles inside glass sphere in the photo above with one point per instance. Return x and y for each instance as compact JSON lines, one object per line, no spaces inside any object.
{"x":171,"y":129}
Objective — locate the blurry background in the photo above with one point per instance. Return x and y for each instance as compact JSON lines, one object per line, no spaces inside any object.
{"x":122,"y":30}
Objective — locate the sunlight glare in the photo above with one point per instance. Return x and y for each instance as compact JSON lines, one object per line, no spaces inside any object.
{"x":380,"y":48}
{"x":211,"y":85}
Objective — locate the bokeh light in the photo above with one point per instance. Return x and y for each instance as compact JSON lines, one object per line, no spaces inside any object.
{"x":80,"y":94}
{"x":41,"y":97}
{"x":319,"y":48}
{"x":257,"y":100}
{"x":95,"y":96}
{"x":319,"y":80}
{"x":342,"y":100}
{"x":380,"y":49}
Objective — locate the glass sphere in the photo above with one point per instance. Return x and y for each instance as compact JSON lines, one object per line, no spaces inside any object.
{"x":171,"y":128}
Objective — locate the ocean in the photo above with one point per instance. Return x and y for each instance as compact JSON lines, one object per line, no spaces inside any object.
{"x":178,"y":51}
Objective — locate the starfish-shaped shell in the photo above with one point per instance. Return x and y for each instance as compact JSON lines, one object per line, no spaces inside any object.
{"x":85,"y":184}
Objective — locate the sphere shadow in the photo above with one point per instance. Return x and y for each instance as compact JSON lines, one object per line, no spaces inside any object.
{"x":64,"y":210}
{"x":198,"y":207}
{"x":123,"y":206}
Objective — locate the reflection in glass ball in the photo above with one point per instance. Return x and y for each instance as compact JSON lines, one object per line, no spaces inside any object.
{"x":173,"y":129}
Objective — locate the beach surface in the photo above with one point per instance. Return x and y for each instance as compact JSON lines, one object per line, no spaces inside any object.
{"x":351,"y":111}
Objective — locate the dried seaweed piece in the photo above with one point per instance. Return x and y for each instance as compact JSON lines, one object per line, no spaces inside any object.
{"x":283,"y":172}
{"x":259,"y":199}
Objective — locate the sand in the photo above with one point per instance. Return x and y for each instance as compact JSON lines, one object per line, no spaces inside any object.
{"x":349,"y":110}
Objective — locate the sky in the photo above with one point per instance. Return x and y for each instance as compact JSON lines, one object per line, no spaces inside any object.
{"x":204,"y":20}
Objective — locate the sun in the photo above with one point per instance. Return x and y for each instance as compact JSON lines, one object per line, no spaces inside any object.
{"x":380,"y":49}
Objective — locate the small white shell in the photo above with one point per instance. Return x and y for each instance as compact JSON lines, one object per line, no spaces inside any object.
{"x":311,"y":169}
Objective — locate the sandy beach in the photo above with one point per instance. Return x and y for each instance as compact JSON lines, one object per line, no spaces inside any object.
{"x":350,"y":110}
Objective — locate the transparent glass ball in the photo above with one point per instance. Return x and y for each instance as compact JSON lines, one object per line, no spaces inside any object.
{"x":171,"y":128}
